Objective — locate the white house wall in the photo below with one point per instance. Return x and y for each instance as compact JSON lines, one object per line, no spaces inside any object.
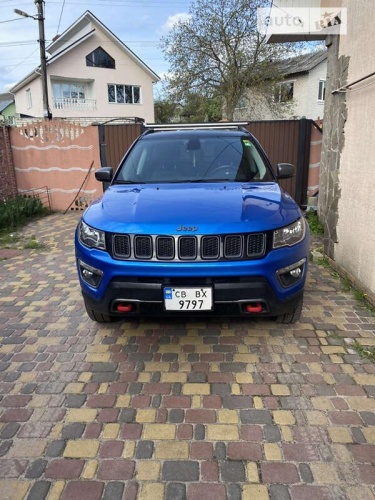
{"x":72,"y":65}
{"x":306,"y":93}
{"x":305,"y":99}
{"x":35,"y":88}
{"x":356,"y":209}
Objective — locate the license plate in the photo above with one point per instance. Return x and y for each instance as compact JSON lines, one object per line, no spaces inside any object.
{"x":188,"y":299}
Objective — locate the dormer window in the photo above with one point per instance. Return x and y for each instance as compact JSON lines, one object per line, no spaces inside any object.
{"x":100,"y":59}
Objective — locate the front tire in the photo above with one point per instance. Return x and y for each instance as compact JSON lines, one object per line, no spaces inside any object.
{"x":292,"y":316}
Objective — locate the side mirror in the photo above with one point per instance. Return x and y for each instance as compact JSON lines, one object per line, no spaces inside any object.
{"x":104,"y":174}
{"x":285,"y":170}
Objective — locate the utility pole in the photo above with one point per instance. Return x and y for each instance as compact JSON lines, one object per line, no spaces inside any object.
{"x":43,"y":61}
{"x":42,"y":48}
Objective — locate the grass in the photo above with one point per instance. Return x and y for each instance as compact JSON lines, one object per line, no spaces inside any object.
{"x":15,"y":212}
{"x":8,"y":240}
{"x":315,"y":225}
{"x":34,"y":244}
{"x":365,"y":352}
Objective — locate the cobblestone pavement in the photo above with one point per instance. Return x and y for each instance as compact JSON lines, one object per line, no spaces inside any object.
{"x":227,"y":409}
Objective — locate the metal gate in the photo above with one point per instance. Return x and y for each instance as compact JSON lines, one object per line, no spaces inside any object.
{"x":284,"y":141}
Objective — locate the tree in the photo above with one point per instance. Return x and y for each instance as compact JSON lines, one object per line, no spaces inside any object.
{"x":198,"y":108}
{"x":165,"y":110}
{"x":218,"y":53}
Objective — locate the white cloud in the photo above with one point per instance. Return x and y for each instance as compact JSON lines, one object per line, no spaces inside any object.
{"x":172,"y":20}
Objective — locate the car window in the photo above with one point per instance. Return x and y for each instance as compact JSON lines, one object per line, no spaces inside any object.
{"x":194,"y":159}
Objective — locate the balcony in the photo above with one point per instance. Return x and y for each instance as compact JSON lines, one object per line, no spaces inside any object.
{"x":74,"y":104}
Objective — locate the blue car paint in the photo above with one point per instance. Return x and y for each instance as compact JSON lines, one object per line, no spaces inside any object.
{"x":213,"y":208}
{"x":224,"y":209}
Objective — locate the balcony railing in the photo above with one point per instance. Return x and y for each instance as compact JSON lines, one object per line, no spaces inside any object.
{"x":72,"y":103}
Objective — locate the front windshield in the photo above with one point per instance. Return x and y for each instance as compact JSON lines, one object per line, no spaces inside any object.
{"x":194,"y":159}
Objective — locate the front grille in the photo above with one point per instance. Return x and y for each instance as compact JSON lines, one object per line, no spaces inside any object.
{"x":189,"y":248}
{"x":210,"y":247}
{"x":164,"y":247}
{"x":233,"y":246}
{"x":143,"y":247}
{"x":121,"y":246}
{"x":255,"y":244}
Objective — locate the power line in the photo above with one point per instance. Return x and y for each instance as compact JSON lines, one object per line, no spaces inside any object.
{"x":61,"y":13}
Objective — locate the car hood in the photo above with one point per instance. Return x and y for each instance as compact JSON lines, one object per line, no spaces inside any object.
{"x":202,"y":208}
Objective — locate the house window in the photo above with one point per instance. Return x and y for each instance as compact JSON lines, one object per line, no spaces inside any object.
{"x":322,"y":91}
{"x":100,"y":59}
{"x":29,"y":101}
{"x":72,"y":95}
{"x":284,"y":92}
{"x":124,"y":94}
{"x":68,"y":90}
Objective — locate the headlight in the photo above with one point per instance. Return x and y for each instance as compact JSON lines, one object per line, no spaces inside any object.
{"x":289,"y":235}
{"x":91,"y":237}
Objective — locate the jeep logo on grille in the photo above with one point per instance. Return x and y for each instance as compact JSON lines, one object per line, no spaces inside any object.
{"x":187,"y":228}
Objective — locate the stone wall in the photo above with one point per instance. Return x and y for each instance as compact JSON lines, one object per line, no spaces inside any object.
{"x":335,"y":115}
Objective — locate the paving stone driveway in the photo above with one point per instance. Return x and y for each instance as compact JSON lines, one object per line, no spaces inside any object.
{"x":223,"y":409}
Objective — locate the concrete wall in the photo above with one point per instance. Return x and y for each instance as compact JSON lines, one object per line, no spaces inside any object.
{"x":355,"y":246}
{"x":58,"y":156}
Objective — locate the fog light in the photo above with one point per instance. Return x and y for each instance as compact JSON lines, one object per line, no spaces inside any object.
{"x":296,"y":273}
{"x":89,"y":274}
{"x":291,"y":274}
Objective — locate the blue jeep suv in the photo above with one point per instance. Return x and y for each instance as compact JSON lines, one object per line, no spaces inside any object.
{"x":193,"y":222}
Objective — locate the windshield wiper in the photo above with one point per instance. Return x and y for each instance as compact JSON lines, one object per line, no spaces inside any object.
{"x":129,"y":182}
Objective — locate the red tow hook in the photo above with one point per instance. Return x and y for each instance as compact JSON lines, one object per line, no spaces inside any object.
{"x":254,"y":308}
{"x":124,"y":308}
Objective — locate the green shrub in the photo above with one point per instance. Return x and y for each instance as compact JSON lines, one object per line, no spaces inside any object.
{"x":16,"y":211}
{"x":314,"y":223}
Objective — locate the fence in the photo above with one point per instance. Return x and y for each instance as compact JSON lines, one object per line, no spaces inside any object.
{"x":284,"y":141}
{"x":60,"y":155}
{"x":64,"y":156}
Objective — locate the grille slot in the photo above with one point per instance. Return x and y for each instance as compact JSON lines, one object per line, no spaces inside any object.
{"x":187,"y":247}
{"x":210,"y":247}
{"x":256,"y":244}
{"x":121,"y":246}
{"x":165,"y":247}
{"x":143,"y":247}
{"x":233,"y":246}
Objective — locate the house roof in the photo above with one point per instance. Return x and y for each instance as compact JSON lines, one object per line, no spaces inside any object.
{"x":80,"y":30}
{"x":5,"y":100}
{"x":303,"y":63}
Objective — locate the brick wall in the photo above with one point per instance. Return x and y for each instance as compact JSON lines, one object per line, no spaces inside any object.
{"x":8,"y":185}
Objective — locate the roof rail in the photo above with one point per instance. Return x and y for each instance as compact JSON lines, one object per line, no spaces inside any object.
{"x":193,"y":126}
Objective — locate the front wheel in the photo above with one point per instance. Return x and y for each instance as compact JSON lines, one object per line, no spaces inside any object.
{"x":292,"y":316}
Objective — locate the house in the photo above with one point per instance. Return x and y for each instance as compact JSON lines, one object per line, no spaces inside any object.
{"x":90,"y":74}
{"x":300,"y":93}
{"x":7,"y":109}
{"x":347,"y":176}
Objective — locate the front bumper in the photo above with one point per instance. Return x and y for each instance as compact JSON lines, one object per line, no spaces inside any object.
{"x":234,"y":284}
{"x":231,"y":297}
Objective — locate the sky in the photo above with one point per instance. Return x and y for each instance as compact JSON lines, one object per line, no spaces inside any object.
{"x":139,"y":24}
